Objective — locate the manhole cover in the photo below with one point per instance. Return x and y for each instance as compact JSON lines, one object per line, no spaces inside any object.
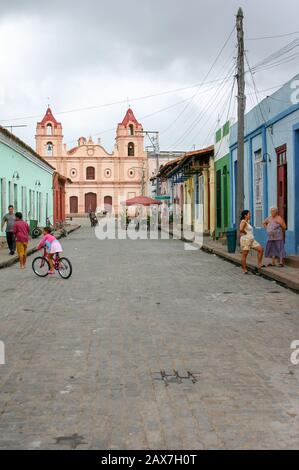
{"x":175,"y":377}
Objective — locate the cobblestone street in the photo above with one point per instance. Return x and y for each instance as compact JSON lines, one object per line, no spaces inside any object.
{"x":147,"y":346}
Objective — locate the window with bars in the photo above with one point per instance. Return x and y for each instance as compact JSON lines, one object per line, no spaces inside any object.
{"x":90,"y":173}
{"x":24,"y":202}
{"x":3,"y":197}
{"x":258,"y":188}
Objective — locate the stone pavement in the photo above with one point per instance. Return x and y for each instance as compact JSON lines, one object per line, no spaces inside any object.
{"x":7,"y":260}
{"x":147,"y":346}
{"x":287,"y":276}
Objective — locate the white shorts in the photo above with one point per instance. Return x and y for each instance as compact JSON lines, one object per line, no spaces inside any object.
{"x":55,"y":247}
{"x":247,"y":244}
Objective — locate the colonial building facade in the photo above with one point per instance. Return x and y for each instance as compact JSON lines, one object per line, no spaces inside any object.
{"x":26,"y":181}
{"x":99,"y":180}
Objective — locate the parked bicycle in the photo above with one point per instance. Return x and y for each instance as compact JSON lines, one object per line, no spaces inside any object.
{"x":41,"y":266}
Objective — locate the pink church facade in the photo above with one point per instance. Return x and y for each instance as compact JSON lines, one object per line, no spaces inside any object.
{"x":99,"y":180}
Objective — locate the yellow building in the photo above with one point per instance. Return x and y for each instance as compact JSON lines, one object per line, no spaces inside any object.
{"x":192,"y":182}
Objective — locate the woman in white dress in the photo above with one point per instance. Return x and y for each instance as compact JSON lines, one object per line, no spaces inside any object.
{"x":247,"y":242}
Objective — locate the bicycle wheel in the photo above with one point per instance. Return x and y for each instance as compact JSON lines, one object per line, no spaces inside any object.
{"x":65,"y":268}
{"x":40,"y":266}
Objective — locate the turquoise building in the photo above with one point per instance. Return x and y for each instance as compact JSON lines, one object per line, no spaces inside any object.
{"x":26,"y":180}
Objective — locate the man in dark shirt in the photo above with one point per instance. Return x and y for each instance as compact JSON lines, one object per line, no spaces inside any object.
{"x":9,"y":220}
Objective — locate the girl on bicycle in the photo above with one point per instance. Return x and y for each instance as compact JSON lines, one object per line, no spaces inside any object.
{"x":52,"y":246}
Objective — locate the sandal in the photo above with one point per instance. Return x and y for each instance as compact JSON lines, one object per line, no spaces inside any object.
{"x":259,"y":268}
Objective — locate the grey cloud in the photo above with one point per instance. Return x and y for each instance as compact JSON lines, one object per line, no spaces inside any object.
{"x":79,"y":48}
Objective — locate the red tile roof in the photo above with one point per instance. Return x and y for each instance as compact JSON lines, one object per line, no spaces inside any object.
{"x":129,"y":117}
{"x":48,"y":117}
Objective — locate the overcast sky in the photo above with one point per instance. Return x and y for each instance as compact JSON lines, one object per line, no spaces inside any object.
{"x":76,"y":54}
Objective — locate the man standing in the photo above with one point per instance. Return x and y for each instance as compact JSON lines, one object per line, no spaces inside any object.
{"x":21,"y":230}
{"x":9,"y":220}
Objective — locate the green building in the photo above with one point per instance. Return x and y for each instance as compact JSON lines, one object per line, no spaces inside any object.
{"x":26,"y":180}
{"x":222,"y":179}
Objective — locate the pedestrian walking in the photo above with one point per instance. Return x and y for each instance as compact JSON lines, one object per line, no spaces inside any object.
{"x":9,"y":220}
{"x":21,"y":231}
{"x":247,"y":242}
{"x":276,"y":227}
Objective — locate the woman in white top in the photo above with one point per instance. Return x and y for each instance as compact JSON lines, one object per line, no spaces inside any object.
{"x":247,"y":242}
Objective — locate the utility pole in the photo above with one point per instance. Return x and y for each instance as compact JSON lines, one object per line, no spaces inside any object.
{"x":153,"y":137}
{"x":241,"y":112}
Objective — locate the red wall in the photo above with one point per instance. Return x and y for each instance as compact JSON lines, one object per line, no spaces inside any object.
{"x":59,"y":198}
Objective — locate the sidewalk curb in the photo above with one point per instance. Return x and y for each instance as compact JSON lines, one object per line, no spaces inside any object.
{"x":293,"y":285}
{"x":288,"y":283}
{"x":14,"y":259}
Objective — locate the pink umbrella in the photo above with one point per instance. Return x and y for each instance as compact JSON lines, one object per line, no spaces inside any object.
{"x":141,"y":201}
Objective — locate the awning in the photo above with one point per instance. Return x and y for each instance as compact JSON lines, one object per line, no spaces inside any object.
{"x":141,"y":201}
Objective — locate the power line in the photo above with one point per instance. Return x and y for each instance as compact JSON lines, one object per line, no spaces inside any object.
{"x":257,"y":67}
{"x":258,"y":100}
{"x":273,"y":37}
{"x":141,"y":118}
{"x":104,"y":105}
{"x":215,"y":104}
{"x":201,"y":114}
{"x":206,"y":76}
{"x":277,"y":54}
{"x":226,"y":120}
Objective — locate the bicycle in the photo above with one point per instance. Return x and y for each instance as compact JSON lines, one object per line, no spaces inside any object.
{"x":41,"y":266}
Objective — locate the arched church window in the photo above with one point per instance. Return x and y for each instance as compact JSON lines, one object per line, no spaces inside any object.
{"x":49,"y":129}
{"x":90,"y":173}
{"x":49,"y":149}
{"x":131,"y":129}
{"x":131,"y":149}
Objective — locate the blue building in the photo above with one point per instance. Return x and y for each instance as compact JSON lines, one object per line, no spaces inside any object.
{"x":271,"y":162}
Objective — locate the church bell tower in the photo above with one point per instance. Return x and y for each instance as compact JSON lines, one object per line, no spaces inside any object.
{"x":129,"y":136}
{"x":49,"y":138}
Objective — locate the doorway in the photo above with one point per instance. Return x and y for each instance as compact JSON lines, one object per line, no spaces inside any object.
{"x":90,"y":202}
{"x":74,"y":205}
{"x":108,"y":204}
{"x":218,"y":200}
{"x":282,"y":182}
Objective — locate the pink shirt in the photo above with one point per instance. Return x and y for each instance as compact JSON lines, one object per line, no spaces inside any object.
{"x":21,"y":230}
{"x":46,"y":241}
